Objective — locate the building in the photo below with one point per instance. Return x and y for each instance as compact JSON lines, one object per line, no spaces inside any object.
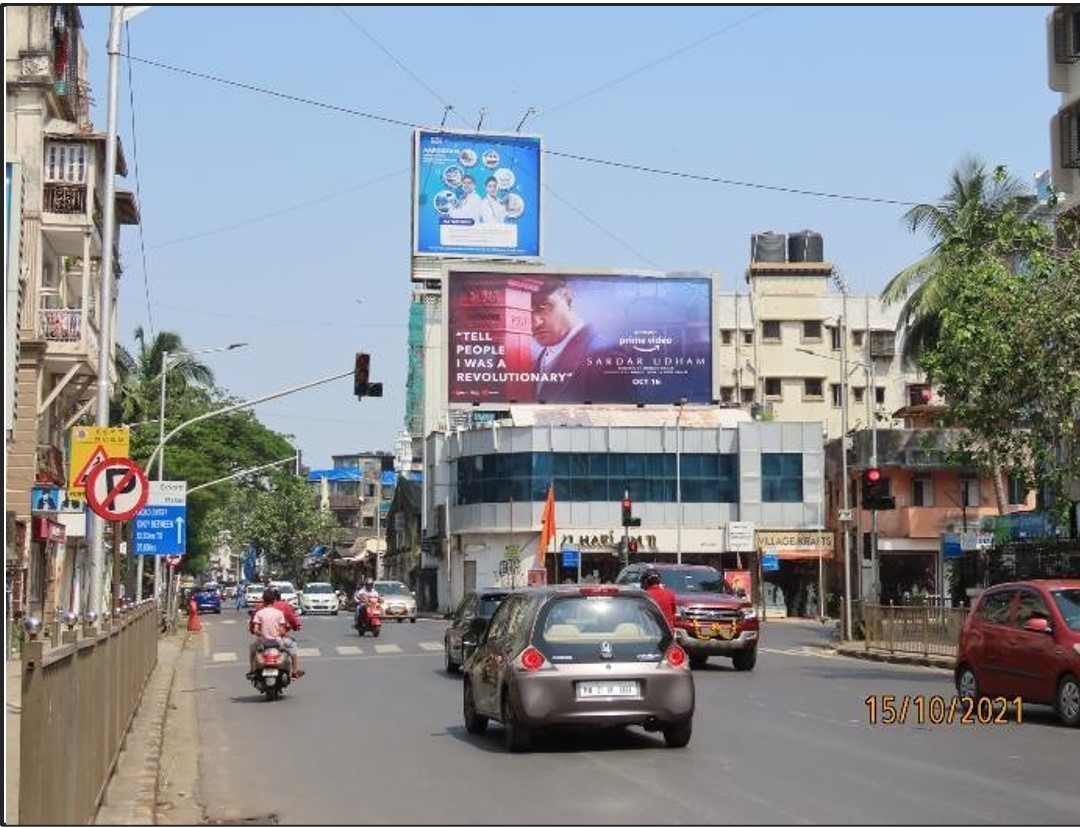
{"x":1063,"y":70}
{"x":54,"y":165}
{"x":408,"y":558}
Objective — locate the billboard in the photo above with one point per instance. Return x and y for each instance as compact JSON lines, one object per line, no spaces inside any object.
{"x":476,"y":194}
{"x":528,"y":336}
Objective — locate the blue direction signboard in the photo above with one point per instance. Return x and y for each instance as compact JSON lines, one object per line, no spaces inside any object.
{"x":570,"y":558}
{"x":161,"y":525}
{"x":770,"y":562}
{"x":161,"y":530}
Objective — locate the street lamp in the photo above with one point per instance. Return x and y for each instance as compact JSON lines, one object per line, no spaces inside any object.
{"x":165,"y":363}
{"x":678,"y":480}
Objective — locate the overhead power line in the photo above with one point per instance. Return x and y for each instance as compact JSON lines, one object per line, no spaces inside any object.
{"x":691,"y":176}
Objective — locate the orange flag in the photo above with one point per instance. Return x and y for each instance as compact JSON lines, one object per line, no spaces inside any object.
{"x":547,"y":525}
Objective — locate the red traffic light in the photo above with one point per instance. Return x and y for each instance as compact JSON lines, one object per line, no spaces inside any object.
{"x":872,"y":474}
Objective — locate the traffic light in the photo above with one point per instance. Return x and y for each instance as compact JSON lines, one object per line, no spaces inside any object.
{"x":628,"y":518}
{"x":633,"y":546}
{"x":875,"y":491}
{"x":360,"y":374}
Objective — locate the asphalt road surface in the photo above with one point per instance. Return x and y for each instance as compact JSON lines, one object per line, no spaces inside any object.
{"x":373,"y":734}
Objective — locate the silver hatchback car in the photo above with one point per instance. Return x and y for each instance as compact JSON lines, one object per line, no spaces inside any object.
{"x":590,"y":656}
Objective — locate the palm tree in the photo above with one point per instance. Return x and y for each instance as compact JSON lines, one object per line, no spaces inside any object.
{"x":140,"y":375}
{"x":966,"y":221}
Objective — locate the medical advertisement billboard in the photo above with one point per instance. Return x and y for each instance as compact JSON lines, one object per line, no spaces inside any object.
{"x":526,"y":336}
{"x":476,"y":194}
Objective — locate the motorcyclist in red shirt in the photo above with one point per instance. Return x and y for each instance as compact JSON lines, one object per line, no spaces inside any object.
{"x":272,"y":597}
{"x":664,"y":597}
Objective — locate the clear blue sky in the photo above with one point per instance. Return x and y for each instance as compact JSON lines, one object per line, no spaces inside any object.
{"x":287,"y":225}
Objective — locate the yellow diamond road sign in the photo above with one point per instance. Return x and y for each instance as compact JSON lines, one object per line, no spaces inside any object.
{"x":90,"y":446}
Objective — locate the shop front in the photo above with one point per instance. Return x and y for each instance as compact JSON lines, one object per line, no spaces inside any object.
{"x":801,"y":575}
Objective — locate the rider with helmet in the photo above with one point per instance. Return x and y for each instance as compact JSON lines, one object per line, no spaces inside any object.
{"x":289,"y":622}
{"x":366,"y":591}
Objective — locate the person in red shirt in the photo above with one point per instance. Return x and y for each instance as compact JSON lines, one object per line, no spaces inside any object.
{"x":272,"y":597}
{"x":661,"y":594}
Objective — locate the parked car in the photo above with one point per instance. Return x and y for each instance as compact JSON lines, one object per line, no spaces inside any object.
{"x":578,"y":656}
{"x":710,"y":619}
{"x":1022,"y":639}
{"x":319,"y":598}
{"x":398,"y":603}
{"x":208,"y":599}
{"x":463,"y":627}
{"x":288,"y":593}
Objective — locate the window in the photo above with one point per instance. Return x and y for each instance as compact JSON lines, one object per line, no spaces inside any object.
{"x":879,"y":395}
{"x":747,"y":396}
{"x":1066,"y":24}
{"x":781,"y":478}
{"x":858,"y":394}
{"x":837,"y":394}
{"x":995,"y":607}
{"x":65,"y":163}
{"x":773,"y":388}
{"x":1028,"y":606}
{"x":857,"y":338}
{"x":811,"y":331}
{"x":922,"y":490}
{"x":882,"y":343}
{"x":970,"y":494}
{"x":726,"y":336}
{"x":1069,"y":136}
{"x":727,"y":394}
{"x":812,"y":389}
{"x":834,"y":338}
{"x":919,"y":394}
{"x":748,"y":337}
{"x":1017,"y":492}
{"x":770,"y":331}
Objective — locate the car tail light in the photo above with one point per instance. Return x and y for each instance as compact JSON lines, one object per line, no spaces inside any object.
{"x":593,"y":591}
{"x":531,"y":659}
{"x":676,"y":655}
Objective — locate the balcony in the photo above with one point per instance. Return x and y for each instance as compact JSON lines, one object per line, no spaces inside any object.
{"x":60,"y":325}
{"x":66,"y":199}
{"x":882,"y":344}
{"x":49,"y":466}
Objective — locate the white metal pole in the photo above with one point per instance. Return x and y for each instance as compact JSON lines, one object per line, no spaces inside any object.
{"x":96,"y":579}
{"x":845,"y":520}
{"x":678,"y":482}
{"x":874,"y":557}
{"x":161,"y":459}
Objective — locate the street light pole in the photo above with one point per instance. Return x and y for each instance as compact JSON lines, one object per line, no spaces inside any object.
{"x":845,"y":516}
{"x":678,"y":481}
{"x":875,"y":567}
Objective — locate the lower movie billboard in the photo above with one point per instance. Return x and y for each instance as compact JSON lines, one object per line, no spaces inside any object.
{"x":563,"y":338}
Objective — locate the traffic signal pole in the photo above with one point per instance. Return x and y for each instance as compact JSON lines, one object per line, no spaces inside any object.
{"x":875,"y":567}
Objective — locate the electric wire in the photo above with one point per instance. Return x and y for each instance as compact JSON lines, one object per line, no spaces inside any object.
{"x":692,"y":176}
{"x":138,"y":188}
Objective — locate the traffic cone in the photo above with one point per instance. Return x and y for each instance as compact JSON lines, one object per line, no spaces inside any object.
{"x":193,"y":623}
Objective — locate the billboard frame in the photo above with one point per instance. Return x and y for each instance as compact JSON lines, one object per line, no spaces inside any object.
{"x":518,"y":269}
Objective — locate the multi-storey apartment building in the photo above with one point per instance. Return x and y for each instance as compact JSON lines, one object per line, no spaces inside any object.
{"x":1063,"y":58}
{"x":54,"y":323}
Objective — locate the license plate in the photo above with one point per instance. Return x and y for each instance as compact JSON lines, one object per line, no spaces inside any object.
{"x":270,"y":673}
{"x":608,"y":689}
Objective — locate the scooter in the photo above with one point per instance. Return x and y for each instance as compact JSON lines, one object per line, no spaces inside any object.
{"x":273,"y":669}
{"x":368,"y":617}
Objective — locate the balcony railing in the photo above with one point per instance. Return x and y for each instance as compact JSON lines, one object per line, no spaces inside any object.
{"x":68,"y":199}
{"x":60,"y":325}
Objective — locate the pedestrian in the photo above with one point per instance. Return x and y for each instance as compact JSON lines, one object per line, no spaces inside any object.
{"x":664,"y":597}
{"x":241,"y":597}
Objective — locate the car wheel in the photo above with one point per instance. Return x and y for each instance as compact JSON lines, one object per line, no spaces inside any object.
{"x":1068,"y":701}
{"x":677,"y":735}
{"x":966,"y":684}
{"x":334,"y":613}
{"x":401,"y":620}
{"x":698,"y":661}
{"x":516,"y":736}
{"x":451,"y":666}
{"x":412,"y":620}
{"x":474,"y":721}
{"x":744,"y":661}
{"x":375,"y":631}
{"x":272,"y":693}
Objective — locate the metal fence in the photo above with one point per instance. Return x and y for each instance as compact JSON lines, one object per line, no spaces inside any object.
{"x":923,"y":630}
{"x":80,"y":689}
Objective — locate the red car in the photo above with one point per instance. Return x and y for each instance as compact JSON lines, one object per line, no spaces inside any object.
{"x":1023,"y":640}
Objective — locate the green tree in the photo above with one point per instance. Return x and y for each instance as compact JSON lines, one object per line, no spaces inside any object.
{"x":277,"y":515}
{"x":1007,"y":354}
{"x":137,"y":397}
{"x":964,"y":223}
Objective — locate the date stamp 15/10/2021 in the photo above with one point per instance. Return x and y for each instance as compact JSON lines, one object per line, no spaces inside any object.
{"x":897,"y":710}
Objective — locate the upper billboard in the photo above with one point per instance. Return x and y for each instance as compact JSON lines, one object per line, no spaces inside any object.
{"x":571,"y":339}
{"x":476,"y":194}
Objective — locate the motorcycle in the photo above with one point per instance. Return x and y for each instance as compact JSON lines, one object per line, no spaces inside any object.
{"x":368,"y":617}
{"x":273,"y":669}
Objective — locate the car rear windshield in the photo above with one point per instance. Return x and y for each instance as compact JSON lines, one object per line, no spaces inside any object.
{"x":683,"y":581}
{"x":1068,"y":603}
{"x":587,"y":628}
{"x":318,"y":588}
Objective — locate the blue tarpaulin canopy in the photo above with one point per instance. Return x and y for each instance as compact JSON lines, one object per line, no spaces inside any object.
{"x":335,"y":475}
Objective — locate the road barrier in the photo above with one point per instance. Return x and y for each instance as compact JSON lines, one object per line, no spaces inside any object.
{"x":81,"y":687}
{"x":918,"y":630}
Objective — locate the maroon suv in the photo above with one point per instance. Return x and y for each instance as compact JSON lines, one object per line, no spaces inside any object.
{"x":1022,"y":640}
{"x":709,"y":618}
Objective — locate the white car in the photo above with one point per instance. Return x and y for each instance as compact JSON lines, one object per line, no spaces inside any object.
{"x":288,"y":593}
{"x":319,"y":598}
{"x":397,"y":601}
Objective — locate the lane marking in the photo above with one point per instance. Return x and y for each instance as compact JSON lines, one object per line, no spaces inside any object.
{"x":387,"y":648}
{"x":431,"y":646}
{"x":308,"y":652}
{"x":349,"y":650}
{"x":223,"y":657}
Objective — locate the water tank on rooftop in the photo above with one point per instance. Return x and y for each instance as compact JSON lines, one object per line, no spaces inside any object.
{"x":805,"y":246}
{"x":768,"y":246}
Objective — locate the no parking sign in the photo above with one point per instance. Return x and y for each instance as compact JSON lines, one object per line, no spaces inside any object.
{"x":116,"y":489}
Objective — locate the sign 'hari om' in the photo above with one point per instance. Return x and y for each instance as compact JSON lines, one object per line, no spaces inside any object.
{"x":609,"y":541}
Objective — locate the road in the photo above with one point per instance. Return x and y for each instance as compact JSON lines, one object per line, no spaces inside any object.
{"x":373,"y":734}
